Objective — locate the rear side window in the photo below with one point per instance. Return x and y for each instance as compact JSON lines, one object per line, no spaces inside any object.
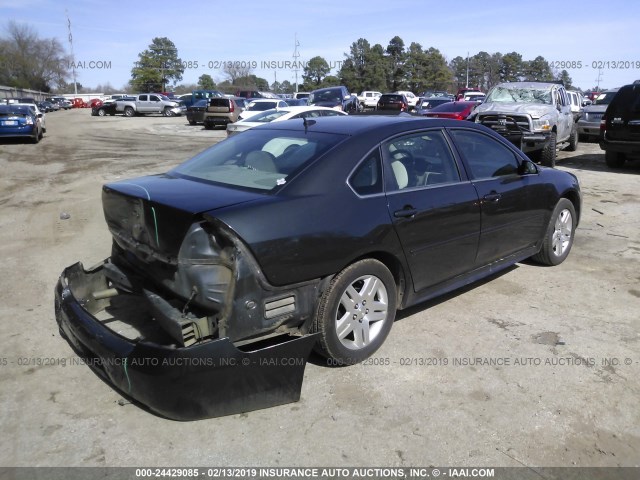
{"x":421,"y":159}
{"x":626,"y":100}
{"x":367,"y":178}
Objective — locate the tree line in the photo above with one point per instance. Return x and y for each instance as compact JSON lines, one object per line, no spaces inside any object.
{"x":366,"y":67}
{"x":28,"y":61}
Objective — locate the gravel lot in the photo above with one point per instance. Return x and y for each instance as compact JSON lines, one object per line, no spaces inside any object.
{"x":567,"y":338}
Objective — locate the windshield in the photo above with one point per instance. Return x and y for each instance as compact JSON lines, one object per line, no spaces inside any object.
{"x":604,"y":98}
{"x":520,"y":95}
{"x":261,"y":159}
{"x":260,"y":106}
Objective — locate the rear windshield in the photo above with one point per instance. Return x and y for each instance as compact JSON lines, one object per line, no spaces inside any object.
{"x":604,"y":98}
{"x":218,"y":102}
{"x":14,"y":110}
{"x":259,"y":159}
{"x":450,"y":107}
{"x":260,"y":106}
{"x":267,"y":116}
{"x":627,"y":100}
{"x":331,"y":95}
{"x":394,"y":98}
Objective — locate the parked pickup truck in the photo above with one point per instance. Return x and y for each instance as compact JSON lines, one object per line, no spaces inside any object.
{"x":369,"y":99}
{"x":535,"y":116}
{"x":148,"y":103}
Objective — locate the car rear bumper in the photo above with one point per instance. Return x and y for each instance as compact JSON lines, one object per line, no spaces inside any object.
{"x":182,"y":383}
{"x":588,"y":128}
{"x":217,"y":120}
{"x":21,"y":131}
{"x":631,"y":148}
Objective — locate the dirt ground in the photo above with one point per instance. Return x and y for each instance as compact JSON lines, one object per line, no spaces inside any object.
{"x":567,"y":338}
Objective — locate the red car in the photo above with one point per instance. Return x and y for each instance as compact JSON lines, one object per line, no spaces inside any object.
{"x":454,"y":110}
{"x":78,"y":103}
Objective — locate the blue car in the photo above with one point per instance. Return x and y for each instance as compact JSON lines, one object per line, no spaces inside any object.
{"x":19,"y":121}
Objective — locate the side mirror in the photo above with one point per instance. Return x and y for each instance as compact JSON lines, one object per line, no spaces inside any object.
{"x":527,"y":167}
{"x":40,"y":115}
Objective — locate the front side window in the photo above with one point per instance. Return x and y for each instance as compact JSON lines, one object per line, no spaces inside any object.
{"x":485,"y":156}
{"x":419,"y":160}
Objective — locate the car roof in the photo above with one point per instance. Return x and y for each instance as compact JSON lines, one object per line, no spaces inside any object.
{"x":356,"y":124}
{"x":327,"y":88}
{"x":529,"y":85}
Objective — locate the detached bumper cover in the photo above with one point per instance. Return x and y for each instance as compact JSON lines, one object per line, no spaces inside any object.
{"x":188,"y":383}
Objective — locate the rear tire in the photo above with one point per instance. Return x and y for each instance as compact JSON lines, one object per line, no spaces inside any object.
{"x":573,"y":141}
{"x":614,"y":159}
{"x":558,"y":239}
{"x":356,"y":312}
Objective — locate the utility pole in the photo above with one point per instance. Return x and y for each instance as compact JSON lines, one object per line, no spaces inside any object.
{"x":466,"y":85}
{"x":73,"y":60}
{"x":296,"y":55}
{"x":598,"y":79}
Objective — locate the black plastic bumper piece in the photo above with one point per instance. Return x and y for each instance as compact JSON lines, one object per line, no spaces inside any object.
{"x":182,"y":383}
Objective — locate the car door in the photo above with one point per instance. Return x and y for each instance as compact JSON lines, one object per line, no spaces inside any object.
{"x":155,"y":104}
{"x":565,"y":117}
{"x":142,"y":104}
{"x":513,"y":205}
{"x":433,"y":207}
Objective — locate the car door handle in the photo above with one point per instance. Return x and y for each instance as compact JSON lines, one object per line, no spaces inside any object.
{"x":492,"y":197}
{"x":407,"y":212}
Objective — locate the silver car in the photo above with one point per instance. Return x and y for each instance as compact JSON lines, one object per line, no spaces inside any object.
{"x":589,"y":122}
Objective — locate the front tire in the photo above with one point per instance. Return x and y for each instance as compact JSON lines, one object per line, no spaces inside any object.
{"x":167,"y":112}
{"x":548,"y":155}
{"x":558,"y":239}
{"x":129,"y":112}
{"x":356,"y":312}
{"x":101,"y":112}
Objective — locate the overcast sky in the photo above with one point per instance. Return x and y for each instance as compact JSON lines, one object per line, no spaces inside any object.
{"x":108,"y":35}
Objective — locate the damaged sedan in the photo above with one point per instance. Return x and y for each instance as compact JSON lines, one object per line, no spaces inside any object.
{"x":226,"y":271}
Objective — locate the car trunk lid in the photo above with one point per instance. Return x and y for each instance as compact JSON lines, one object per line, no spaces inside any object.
{"x":151,"y":215}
